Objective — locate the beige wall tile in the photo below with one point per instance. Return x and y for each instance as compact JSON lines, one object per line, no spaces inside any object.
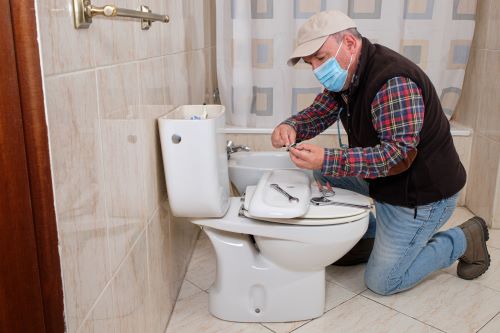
{"x":482,"y":180}
{"x":118,"y":88}
{"x":84,"y":256}
{"x":194,"y":24}
{"x":256,"y":142}
{"x":160,"y":299}
{"x":154,"y":177}
{"x":463,"y":145}
{"x":101,"y":318}
{"x":176,"y":76}
{"x":173,"y":35}
{"x":64,"y":48}
{"x":183,"y":235}
{"x":148,"y":42}
{"x":197,"y":68}
{"x":130,"y":290}
{"x":495,"y":222}
{"x":481,"y":24}
{"x":74,"y":142}
{"x":211,"y":53}
{"x":113,"y":39}
{"x":469,"y":104}
{"x":493,"y":41}
{"x":209,"y":23}
{"x":152,"y":82}
{"x":78,"y":187}
{"x":123,"y":156}
{"x":489,"y":111}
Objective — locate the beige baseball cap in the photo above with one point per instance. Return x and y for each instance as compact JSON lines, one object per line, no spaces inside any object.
{"x":315,"y":31}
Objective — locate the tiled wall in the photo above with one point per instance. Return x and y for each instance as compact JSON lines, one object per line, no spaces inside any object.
{"x":479,"y":108}
{"x":123,"y":255}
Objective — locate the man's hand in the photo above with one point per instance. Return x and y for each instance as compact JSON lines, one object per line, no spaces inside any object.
{"x":283,"y":135}
{"x":308,"y":156}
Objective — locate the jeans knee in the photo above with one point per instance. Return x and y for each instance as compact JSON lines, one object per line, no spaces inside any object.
{"x":380,"y":284}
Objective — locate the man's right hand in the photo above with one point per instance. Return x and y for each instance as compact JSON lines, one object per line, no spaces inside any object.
{"x":283,"y":135}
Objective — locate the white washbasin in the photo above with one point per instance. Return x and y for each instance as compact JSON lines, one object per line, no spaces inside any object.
{"x":246,"y":168}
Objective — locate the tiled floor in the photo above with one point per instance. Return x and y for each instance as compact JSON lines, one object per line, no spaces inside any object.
{"x":442,"y":303}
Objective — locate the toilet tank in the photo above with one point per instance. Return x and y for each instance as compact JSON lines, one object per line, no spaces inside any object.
{"x":195,"y":160}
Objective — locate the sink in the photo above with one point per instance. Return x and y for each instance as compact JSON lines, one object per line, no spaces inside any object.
{"x":246,"y":168}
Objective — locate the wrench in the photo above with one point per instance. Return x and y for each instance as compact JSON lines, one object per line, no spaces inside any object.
{"x":285,"y":193}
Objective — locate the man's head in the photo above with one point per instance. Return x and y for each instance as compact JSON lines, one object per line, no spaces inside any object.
{"x":327,"y":35}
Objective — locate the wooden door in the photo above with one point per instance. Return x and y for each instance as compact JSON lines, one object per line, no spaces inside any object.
{"x":30,"y":277}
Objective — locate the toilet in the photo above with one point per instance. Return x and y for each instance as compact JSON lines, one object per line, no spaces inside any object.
{"x":272,"y":245}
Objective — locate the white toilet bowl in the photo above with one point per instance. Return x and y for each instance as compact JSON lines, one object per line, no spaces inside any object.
{"x":273,"y":269}
{"x":271,"y":249}
{"x":280,"y":277}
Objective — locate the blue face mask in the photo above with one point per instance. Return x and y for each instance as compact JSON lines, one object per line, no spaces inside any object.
{"x":331,"y":75}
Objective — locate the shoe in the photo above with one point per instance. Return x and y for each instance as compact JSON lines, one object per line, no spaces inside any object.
{"x":476,"y":258}
{"x":359,"y":254}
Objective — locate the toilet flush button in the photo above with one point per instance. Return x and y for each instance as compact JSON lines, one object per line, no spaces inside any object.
{"x":176,"y":138}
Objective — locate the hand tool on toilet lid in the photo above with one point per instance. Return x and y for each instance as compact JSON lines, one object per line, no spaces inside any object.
{"x":327,"y":192}
{"x":285,"y":193}
{"x":323,"y":201}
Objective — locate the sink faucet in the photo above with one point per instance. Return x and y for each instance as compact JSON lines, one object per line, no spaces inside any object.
{"x":232,"y":148}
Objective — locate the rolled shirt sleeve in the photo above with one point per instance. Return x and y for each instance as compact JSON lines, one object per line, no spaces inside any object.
{"x":316,"y":118}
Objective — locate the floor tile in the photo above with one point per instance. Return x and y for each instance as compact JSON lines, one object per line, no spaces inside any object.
{"x":493,"y":326}
{"x":201,"y":270}
{"x":489,"y":279}
{"x":191,"y":315}
{"x":351,"y":277}
{"x":360,"y":314}
{"x":335,"y":295}
{"x":445,"y":302}
{"x":187,"y":289}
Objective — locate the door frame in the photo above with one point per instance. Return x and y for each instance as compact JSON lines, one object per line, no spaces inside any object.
{"x":31,"y":294}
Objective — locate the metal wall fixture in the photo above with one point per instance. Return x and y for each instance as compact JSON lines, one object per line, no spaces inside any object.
{"x":83,"y":11}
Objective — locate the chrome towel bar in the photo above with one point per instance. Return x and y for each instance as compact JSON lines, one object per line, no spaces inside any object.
{"x":84,"y":11}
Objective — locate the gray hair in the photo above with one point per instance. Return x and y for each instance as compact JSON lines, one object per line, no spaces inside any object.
{"x":339,"y":36}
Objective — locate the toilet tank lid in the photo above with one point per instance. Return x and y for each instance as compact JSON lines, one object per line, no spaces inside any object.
{"x":271,"y":196}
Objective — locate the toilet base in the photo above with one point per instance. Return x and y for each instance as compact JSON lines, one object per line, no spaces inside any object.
{"x":251,"y":288}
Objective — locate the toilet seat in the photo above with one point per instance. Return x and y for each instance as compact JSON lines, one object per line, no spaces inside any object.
{"x":259,"y":205}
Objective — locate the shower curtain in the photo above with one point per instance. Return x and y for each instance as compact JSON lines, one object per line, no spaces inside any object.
{"x":256,"y":37}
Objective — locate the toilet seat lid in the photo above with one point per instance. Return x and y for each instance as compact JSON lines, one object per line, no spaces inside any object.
{"x":269,"y":199}
{"x":311,"y":215}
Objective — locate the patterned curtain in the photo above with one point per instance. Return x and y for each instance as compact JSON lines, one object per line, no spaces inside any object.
{"x":256,"y":37}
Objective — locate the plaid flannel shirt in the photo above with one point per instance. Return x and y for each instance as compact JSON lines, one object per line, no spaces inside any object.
{"x":397,"y":115}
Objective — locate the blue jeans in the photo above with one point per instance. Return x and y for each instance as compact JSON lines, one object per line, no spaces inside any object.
{"x":407,"y":248}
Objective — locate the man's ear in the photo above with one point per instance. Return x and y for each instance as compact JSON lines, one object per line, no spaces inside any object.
{"x":350,"y":41}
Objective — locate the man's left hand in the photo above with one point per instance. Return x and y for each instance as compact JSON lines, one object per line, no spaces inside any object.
{"x":307,"y":156}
